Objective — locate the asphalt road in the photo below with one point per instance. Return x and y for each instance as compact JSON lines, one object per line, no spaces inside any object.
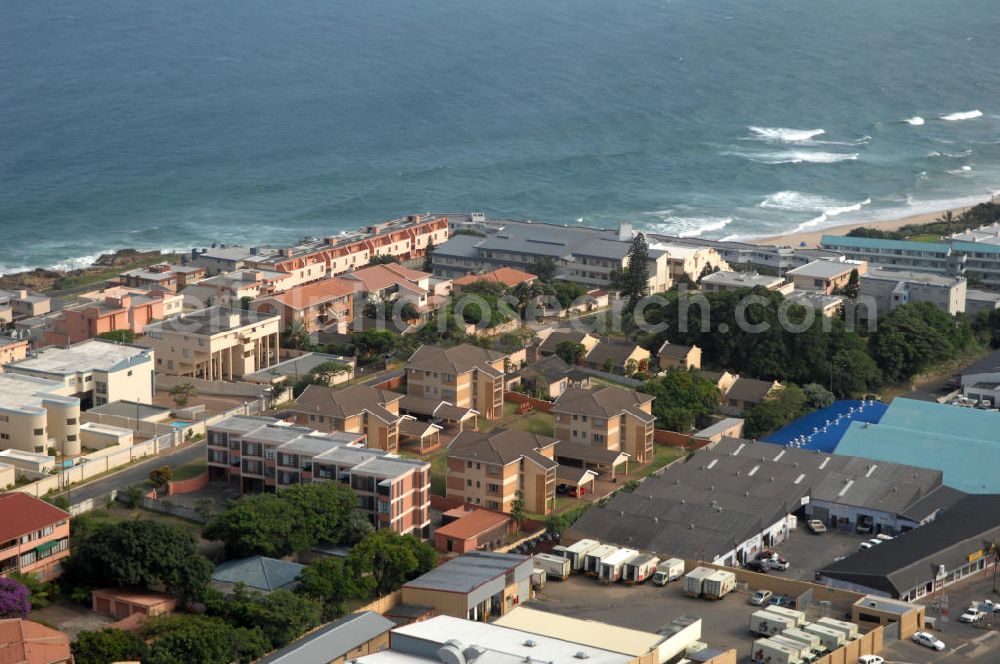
{"x":136,"y":473}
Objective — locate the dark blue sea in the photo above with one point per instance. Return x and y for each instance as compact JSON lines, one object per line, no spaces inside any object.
{"x":174,"y":123}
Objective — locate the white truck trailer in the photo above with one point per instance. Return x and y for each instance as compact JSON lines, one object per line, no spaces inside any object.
{"x":767,"y":623}
{"x":694,"y":579}
{"x":831,"y":638}
{"x":811,"y":640}
{"x":611,"y":567}
{"x":555,"y":567}
{"x":798,"y":616}
{"x":640,"y":568}
{"x":848,"y":629}
{"x":576,"y":553}
{"x":592,"y":561}
{"x":765,"y":650}
{"x":718,"y":584}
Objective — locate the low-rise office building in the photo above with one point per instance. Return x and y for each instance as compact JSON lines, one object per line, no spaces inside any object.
{"x":34,"y":536}
{"x":465,"y":376}
{"x":890,"y":289}
{"x":476,"y":586}
{"x":611,"y":418}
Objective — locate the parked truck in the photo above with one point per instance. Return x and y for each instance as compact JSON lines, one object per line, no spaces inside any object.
{"x":767,"y":623}
{"x":538,"y":578}
{"x":798,"y":616}
{"x":612,"y":566}
{"x":576,"y":553}
{"x":801,"y":650}
{"x":765,"y":650}
{"x":694,"y":579}
{"x":718,"y":584}
{"x":555,"y":567}
{"x":592,"y":561}
{"x":831,"y":638}
{"x":811,"y":640}
{"x":848,"y":629}
{"x":640,"y":568}
{"x":667,"y":571}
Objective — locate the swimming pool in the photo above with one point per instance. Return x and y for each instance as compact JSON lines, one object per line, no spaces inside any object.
{"x":181,"y":424}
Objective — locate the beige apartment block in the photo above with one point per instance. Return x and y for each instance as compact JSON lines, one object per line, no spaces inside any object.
{"x":215,"y":343}
{"x":229,"y":290}
{"x":25,"y":304}
{"x":95,"y":371}
{"x":825,"y":276}
{"x":12,"y":350}
{"x":612,"y":418}
{"x":355,"y":409}
{"x":36,"y":414}
{"x":679,"y":356}
{"x":320,"y":305}
{"x":488,"y":469}
{"x":465,"y":376}
{"x":688,"y":262}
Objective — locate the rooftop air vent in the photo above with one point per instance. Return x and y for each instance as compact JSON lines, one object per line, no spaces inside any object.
{"x":530,"y":643}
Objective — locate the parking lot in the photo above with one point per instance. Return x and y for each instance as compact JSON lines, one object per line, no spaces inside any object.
{"x":807,"y":552}
{"x":725,"y":623}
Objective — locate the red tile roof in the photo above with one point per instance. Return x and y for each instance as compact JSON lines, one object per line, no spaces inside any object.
{"x":507,"y":276}
{"x":302,"y":297}
{"x":21,"y":513}
{"x":472,"y":524}
{"x":26,"y":642}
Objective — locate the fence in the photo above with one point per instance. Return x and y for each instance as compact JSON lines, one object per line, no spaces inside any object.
{"x":613,"y":377}
{"x":383,"y":604}
{"x":537,"y":404}
{"x":188,"y":486}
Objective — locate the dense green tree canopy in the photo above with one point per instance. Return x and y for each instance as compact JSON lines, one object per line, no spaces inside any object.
{"x":774,"y":413}
{"x":108,"y":645}
{"x":570,"y":351}
{"x":281,"y":616}
{"x":203,"y":639}
{"x":385,"y":560}
{"x":681,"y":398}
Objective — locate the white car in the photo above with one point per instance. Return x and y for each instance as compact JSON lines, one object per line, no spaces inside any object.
{"x":972,"y":614}
{"x":760,"y":598}
{"x":871,"y":659}
{"x":928,"y":641}
{"x":776,"y":563}
{"x":864,"y":546}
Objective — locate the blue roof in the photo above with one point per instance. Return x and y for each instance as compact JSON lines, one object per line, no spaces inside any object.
{"x":822,"y":429}
{"x":876,"y":243}
{"x":963,"y":443}
{"x":258,"y":572}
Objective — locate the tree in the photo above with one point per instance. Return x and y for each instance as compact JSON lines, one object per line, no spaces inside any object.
{"x":182,"y":393}
{"x":385,"y":560}
{"x":329,"y":582}
{"x":631,"y":367}
{"x":124,"y":336}
{"x":245,"y":302}
{"x":108,"y":645}
{"x":541,"y":387}
{"x":775,"y":412}
{"x":635,"y":280}
{"x":817,"y":396}
{"x":382,"y":260}
{"x":428,"y":265}
{"x":281,"y":616}
{"x":39,"y":592}
{"x":203,"y":639}
{"x":517,"y":507}
{"x":325,"y":372}
{"x":203,"y":506}
{"x":297,"y":336}
{"x":570,"y":351}
{"x":948,"y":219}
{"x":913,"y":338}
{"x":409,"y":312}
{"x":853,"y":287}
{"x":375,"y":343}
{"x":680,"y":399}
{"x":545,"y":269}
{"x":139,"y":554}
{"x":160,"y":477}
{"x":14,"y":599}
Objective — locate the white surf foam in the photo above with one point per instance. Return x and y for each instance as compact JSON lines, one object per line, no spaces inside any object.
{"x":915,"y":121}
{"x":966,"y":115}
{"x":800,"y":157}
{"x":688,"y":226}
{"x":964,"y":170}
{"x":950,"y":155}
{"x":784,"y":134}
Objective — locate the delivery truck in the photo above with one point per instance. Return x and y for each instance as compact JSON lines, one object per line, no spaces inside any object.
{"x":810,"y":640}
{"x":831,"y":638}
{"x":640,"y":568}
{"x":801,"y":650}
{"x":576,"y":553}
{"x":718,"y":584}
{"x":592,"y":561}
{"x":555,"y":567}
{"x":765,"y":650}
{"x":537,"y":578}
{"x":848,"y":629}
{"x":694,"y":579}
{"x":767,"y":623}
{"x":798,"y":616}
{"x":667,"y":571}
{"x":612,"y":566}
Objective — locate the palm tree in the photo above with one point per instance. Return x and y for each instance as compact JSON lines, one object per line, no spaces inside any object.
{"x":994,"y":552}
{"x":947,"y":218}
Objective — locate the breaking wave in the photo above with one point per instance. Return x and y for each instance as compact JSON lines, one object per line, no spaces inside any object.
{"x":798,"y":157}
{"x":967,"y":115}
{"x":783,"y":134}
{"x":915,"y":121}
{"x":687,"y":226}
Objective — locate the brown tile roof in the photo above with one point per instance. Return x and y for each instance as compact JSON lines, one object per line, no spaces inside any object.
{"x":347,"y":402}
{"x":434,"y":408}
{"x":21,"y":513}
{"x":590,"y":453}
{"x":676,"y":351}
{"x":507,"y":276}
{"x":458,"y":359}
{"x":617,"y":352}
{"x":380,"y":277}
{"x":472,"y":524}
{"x":312,"y":294}
{"x":750,"y":390}
{"x":608,"y":401}
{"x":558,"y":336}
{"x":26,"y":642}
{"x":501,"y":446}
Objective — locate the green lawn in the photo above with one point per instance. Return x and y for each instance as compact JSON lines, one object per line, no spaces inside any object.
{"x":439,"y":471}
{"x":536,"y":422}
{"x":191,"y":470}
{"x":119,"y":513}
{"x":662,"y":455}
{"x":926,"y":237}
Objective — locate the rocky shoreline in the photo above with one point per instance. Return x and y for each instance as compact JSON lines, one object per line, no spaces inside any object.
{"x":41,"y":279}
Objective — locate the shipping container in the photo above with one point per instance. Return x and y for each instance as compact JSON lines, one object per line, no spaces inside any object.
{"x":611,"y":567}
{"x":718,"y":584}
{"x":767,"y":623}
{"x":668,"y":570}
{"x":555,"y":567}
{"x":811,"y":640}
{"x":576,"y":553}
{"x":798,"y":616}
{"x":693,"y":580}
{"x":592,"y":561}
{"x":640,"y":568}
{"x":831,"y":638}
{"x":538,"y":578}
{"x":848,"y":629}
{"x":801,"y":650}
{"x":764,"y":650}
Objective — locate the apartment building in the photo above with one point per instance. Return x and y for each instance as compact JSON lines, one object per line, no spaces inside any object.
{"x":94,"y":371}
{"x":321,"y":305}
{"x":221,"y":259}
{"x":490,"y":468}
{"x":230,"y":288}
{"x":893,"y":288}
{"x":687,"y":262}
{"x":770,"y":259}
{"x":215,"y":343}
{"x":733,"y":281}
{"x":465,"y":376}
{"x":123,"y":309}
{"x":34,"y":536}
{"x":825,"y":276}
{"x":162,"y":276}
{"x":390,"y":283}
{"x":25,"y":304}
{"x":611,"y":418}
{"x":404,"y":239}
{"x":36,"y":414}
{"x":12,"y":350}
{"x":355,"y":409}
{"x":265,"y":454}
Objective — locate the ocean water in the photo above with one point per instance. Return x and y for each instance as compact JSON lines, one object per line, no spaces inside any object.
{"x":176,"y":123}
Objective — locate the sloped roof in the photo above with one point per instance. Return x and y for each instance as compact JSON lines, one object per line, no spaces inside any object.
{"x":332,"y":640}
{"x":617,"y":352}
{"x":434,"y":408}
{"x":315,"y":293}
{"x":556,"y":337}
{"x":258,"y":572}
{"x":347,"y":402}
{"x":472,"y":524}
{"x":750,"y":390}
{"x":380,"y":277}
{"x":26,"y":642}
{"x":21,"y":513}
{"x":456,"y":360}
{"x":507,"y":276}
{"x":608,"y":401}
{"x":676,"y":351}
{"x":501,"y":446}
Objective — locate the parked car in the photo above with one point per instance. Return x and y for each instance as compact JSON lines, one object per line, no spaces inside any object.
{"x":777,"y":563}
{"x":884,"y":537}
{"x":562,"y":489}
{"x":761,"y":597}
{"x":990,"y":605}
{"x":972,"y":614}
{"x":766,"y":553}
{"x":778,"y":600}
{"x":928,"y":641}
{"x":816,"y":527}
{"x":864,"y":546}
{"x":864,"y":528}
{"x":871,"y":659}
{"x":756,"y":566}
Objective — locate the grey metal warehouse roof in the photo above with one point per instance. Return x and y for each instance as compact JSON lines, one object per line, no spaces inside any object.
{"x":468,"y":571}
{"x":333,"y":640}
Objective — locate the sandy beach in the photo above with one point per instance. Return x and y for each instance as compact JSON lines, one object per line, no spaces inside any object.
{"x":812,"y":238}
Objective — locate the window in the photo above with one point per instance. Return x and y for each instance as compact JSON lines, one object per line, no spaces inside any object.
{"x":39,"y":432}
{"x":70,"y":421}
{"x":468,"y":482}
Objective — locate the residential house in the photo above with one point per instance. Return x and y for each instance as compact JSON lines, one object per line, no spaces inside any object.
{"x":25,"y":304}
{"x":609,"y":417}
{"x":507,"y":277}
{"x":355,"y":409}
{"x":94,"y":371}
{"x":732,"y":281}
{"x":678,"y":356}
{"x":233,"y":289}
{"x":12,"y":350}
{"x":162,"y":276}
{"x":464,"y":530}
{"x":215,"y":343}
{"x":550,"y":343}
{"x":27,"y":642}
{"x":126,"y":309}
{"x":490,"y":468}
{"x":890,"y":289}
{"x":745,"y":393}
{"x":465,"y":376}
{"x":825,"y":277}
{"x":34,"y":536}
{"x":550,"y":376}
{"x":322,"y":304}
{"x":474,"y":586}
{"x":222,"y":258}
{"x":265,"y":454}
{"x":617,"y":357}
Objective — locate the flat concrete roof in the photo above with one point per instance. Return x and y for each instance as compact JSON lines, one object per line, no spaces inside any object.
{"x":85,"y":356}
{"x":19,"y":392}
{"x":129,"y":409}
{"x":590,"y":632}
